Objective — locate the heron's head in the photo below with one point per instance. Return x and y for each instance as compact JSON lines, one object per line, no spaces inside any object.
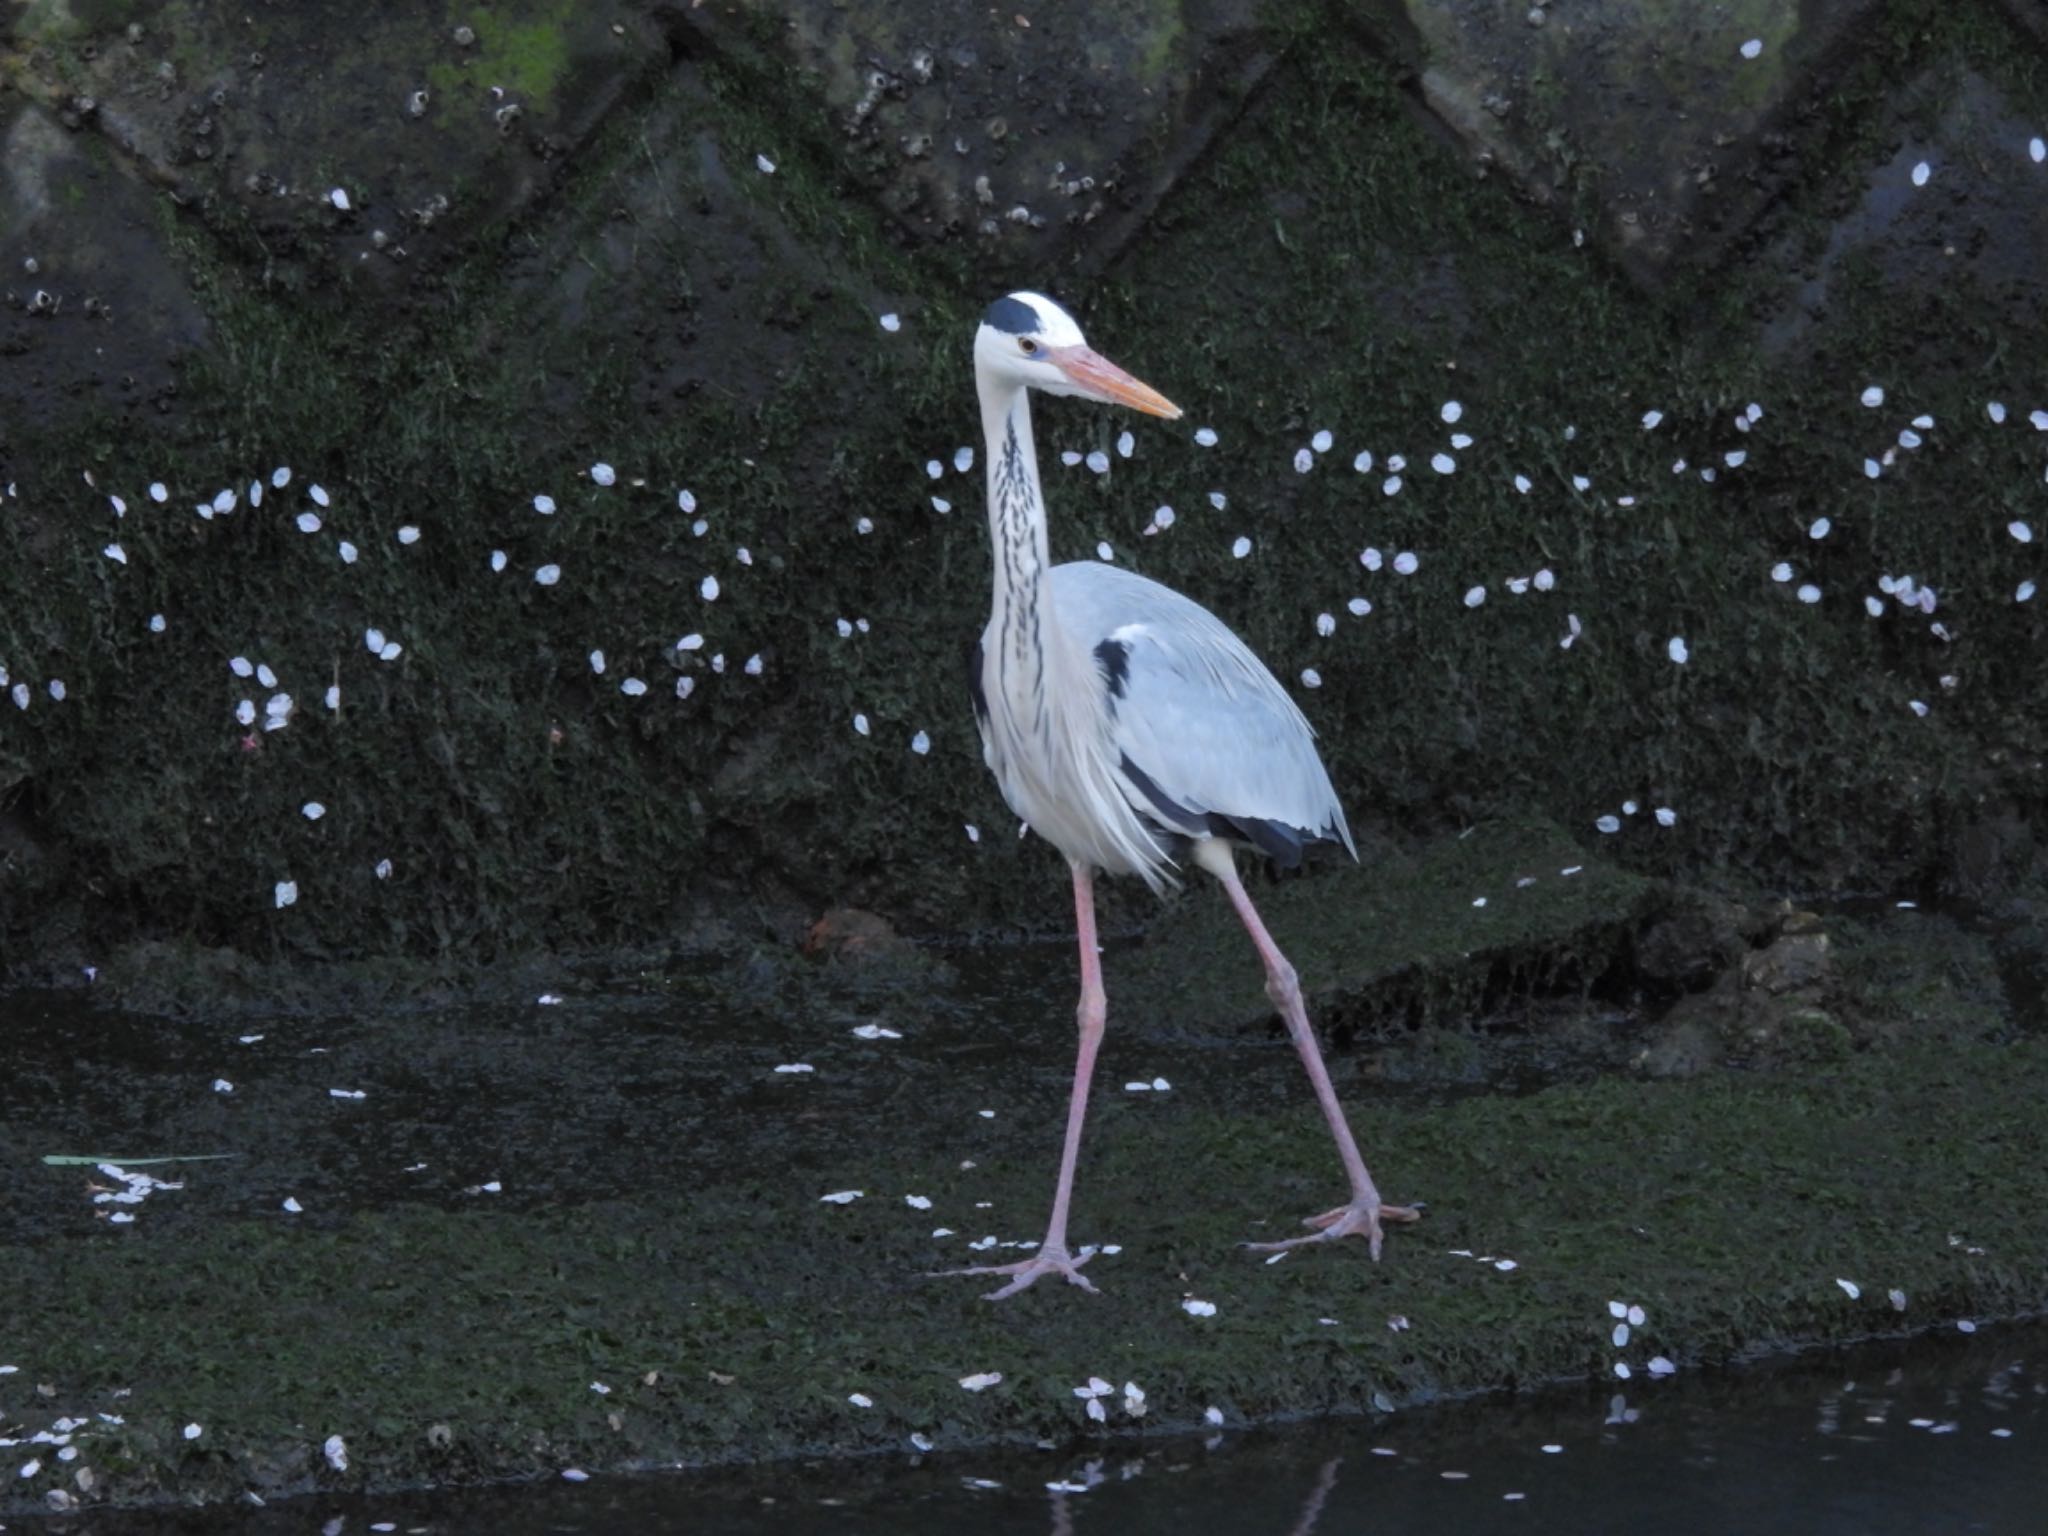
{"x":1026,"y":339}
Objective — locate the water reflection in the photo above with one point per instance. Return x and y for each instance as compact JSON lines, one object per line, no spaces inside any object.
{"x":1312,"y":1510}
{"x":1940,"y":1436}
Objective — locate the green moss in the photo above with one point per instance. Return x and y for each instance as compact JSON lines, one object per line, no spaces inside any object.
{"x":1160,"y":33}
{"x":731,"y":1320}
{"x":524,"y":48}
{"x":50,"y":21}
{"x":431,"y":427}
{"x":1739,"y":83}
{"x":1328,"y":265}
{"x":1812,"y":1035}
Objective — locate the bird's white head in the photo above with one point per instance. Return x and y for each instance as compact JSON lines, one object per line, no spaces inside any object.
{"x":1027,"y":341}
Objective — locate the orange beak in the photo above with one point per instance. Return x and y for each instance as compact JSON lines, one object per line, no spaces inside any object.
{"x":1099,"y":376}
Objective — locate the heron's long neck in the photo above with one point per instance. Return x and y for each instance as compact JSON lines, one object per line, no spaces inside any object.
{"x":1022,"y":617}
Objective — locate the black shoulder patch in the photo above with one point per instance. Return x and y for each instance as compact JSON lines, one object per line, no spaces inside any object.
{"x":1012,"y":315}
{"x":974,"y":690}
{"x":1115,"y":657}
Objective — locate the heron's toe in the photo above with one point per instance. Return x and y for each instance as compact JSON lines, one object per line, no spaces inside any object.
{"x":1361,"y":1218}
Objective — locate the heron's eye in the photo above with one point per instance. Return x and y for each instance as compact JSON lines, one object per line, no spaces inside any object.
{"x":1028,"y":346}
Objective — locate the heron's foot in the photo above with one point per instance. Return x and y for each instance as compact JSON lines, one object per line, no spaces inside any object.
{"x":1361,"y":1218}
{"x":1047,"y":1261}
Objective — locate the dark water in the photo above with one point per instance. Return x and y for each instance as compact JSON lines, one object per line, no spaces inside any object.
{"x":1944,"y":1435}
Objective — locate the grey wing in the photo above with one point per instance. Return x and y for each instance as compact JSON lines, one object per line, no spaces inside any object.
{"x":1210,"y":742}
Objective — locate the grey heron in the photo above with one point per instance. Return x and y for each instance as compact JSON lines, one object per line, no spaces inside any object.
{"x":1128,"y":727}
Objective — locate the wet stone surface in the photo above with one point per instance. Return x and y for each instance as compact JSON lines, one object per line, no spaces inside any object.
{"x":421,"y":131}
{"x":96,"y":310}
{"x":1949,"y":214}
{"x":685,"y":1218}
{"x":1661,"y":130}
{"x":1044,"y":137}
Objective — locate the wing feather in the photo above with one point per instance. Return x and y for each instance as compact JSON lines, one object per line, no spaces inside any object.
{"x":1216,"y":742}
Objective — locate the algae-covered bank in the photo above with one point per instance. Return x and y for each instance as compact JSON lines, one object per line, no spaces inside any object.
{"x":489,"y":528}
{"x":690,"y":1221}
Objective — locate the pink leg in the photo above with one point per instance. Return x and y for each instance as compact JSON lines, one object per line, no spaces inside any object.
{"x":1364,"y":1213}
{"x":1052,"y":1256}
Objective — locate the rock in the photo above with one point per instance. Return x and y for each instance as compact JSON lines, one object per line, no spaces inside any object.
{"x":1399,"y":938}
{"x":1978,"y":224}
{"x":1704,"y":1028}
{"x":853,"y":932}
{"x":1736,"y":1021}
{"x":94,"y":310}
{"x":1811,"y":1034}
{"x":1683,"y":1045}
{"x":1658,"y":113}
{"x":1077,"y":119}
{"x":1794,"y":962}
{"x":253,"y":142}
{"x":1692,"y":945}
